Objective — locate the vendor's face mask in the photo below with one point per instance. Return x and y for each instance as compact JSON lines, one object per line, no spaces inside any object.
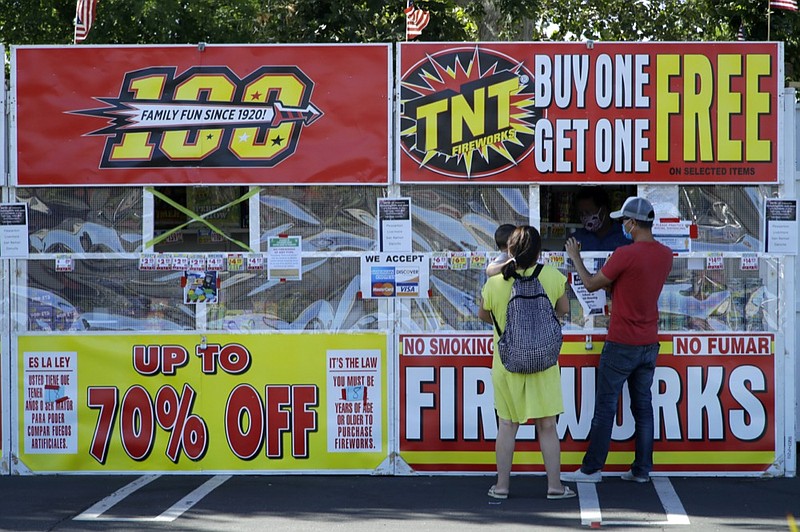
{"x":592,"y":222}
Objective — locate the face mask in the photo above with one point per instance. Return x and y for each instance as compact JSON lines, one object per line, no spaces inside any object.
{"x":592,"y":222}
{"x":625,"y":231}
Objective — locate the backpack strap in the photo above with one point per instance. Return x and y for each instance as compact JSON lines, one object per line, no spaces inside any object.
{"x":496,"y":326}
{"x":536,"y":271}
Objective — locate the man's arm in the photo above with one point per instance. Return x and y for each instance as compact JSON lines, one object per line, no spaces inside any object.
{"x":496,"y":266}
{"x":591,"y":282}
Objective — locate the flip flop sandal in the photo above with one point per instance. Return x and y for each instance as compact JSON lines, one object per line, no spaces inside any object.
{"x":496,"y":495}
{"x":567,"y":494}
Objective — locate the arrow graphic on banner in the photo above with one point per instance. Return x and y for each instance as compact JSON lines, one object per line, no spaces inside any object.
{"x":158,"y":115}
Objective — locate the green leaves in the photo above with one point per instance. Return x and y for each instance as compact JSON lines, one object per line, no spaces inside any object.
{"x":347,"y":21}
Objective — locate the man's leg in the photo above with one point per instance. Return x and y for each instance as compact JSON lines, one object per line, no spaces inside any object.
{"x":615,"y":366}
{"x":640,"y":384}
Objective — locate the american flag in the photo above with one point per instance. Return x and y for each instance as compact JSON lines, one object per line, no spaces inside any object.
{"x":741,"y":35}
{"x":84,"y":17}
{"x":416,"y":20}
{"x":789,"y":5}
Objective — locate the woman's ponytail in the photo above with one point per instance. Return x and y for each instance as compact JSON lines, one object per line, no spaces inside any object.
{"x":524,"y":245}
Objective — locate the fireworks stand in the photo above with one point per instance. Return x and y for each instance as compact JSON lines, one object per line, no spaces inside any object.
{"x":262,"y":259}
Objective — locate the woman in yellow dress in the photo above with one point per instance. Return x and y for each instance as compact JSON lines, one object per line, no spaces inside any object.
{"x":520,"y":397}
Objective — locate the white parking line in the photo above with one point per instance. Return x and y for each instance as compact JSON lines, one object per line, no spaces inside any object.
{"x":591,"y":514}
{"x":676,"y":514}
{"x":590,"y":503}
{"x":193,"y":498}
{"x":176,"y":510}
{"x":98,"y":508}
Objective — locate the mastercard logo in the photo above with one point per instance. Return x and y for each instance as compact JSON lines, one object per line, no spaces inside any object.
{"x":382,"y":289}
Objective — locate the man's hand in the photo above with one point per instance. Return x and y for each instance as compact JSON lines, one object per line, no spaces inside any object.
{"x":573,"y":248}
{"x":590,"y":282}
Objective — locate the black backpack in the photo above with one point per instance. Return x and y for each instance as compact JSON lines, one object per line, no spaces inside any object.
{"x":532,"y":338}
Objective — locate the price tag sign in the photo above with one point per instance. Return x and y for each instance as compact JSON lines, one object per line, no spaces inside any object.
{"x":439,"y":261}
{"x":164,"y":262}
{"x":235,"y":262}
{"x":197,"y":264}
{"x":715,"y":262}
{"x":181,"y":263}
{"x":147,"y":262}
{"x":64,"y":264}
{"x":477,"y":260}
{"x":459,"y":260}
{"x":553,"y":258}
{"x":749,"y":262}
{"x":216,"y":263}
{"x":255,"y":261}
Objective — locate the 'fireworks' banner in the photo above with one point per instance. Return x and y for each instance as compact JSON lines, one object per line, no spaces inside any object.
{"x":713,"y":404}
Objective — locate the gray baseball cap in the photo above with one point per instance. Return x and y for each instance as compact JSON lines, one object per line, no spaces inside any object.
{"x":636,"y":208}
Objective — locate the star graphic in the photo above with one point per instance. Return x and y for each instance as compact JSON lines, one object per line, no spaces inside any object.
{"x":244,"y":137}
{"x":209,"y":136}
{"x":255,"y":96}
{"x":277,"y":141}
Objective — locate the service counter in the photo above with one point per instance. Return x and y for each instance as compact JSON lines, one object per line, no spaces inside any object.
{"x":389,"y":396}
{"x":220,"y":294}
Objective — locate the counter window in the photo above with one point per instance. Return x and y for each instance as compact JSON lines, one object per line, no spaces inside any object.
{"x":83,"y":219}
{"x":228,"y":218}
{"x":728,"y":218}
{"x":328,"y":218}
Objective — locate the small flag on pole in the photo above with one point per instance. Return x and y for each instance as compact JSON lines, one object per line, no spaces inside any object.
{"x":789,"y":5}
{"x":416,"y":20}
{"x":84,"y":17}
{"x":741,"y":35}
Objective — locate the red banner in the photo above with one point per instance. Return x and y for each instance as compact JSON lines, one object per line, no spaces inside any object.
{"x":301,"y":114}
{"x":572,"y":112}
{"x":713,"y":402}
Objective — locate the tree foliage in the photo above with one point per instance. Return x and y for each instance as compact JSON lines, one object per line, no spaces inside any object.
{"x":331,"y":21}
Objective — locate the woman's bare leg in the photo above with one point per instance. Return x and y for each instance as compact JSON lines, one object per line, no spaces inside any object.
{"x":551,"y":452}
{"x":504,"y":449}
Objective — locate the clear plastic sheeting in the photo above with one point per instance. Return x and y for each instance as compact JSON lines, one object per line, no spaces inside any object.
{"x":728,"y":218}
{"x":664,"y":199}
{"x":452,"y":305}
{"x":328,"y":218}
{"x":328,"y":298}
{"x":463,"y":218}
{"x":83,"y":220}
{"x":721,"y":300}
{"x":102,"y":295}
{"x":729,"y":299}
{"x":338,"y":225}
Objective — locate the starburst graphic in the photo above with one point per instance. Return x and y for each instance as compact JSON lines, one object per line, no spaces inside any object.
{"x":467,"y":112}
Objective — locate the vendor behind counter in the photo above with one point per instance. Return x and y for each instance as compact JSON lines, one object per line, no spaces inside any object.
{"x":599,"y":232}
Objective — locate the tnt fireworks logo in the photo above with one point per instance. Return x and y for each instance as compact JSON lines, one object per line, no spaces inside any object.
{"x":467,"y":112}
{"x":205,"y":116}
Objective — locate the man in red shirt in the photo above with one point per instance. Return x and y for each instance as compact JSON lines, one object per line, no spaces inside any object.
{"x":636,"y":273}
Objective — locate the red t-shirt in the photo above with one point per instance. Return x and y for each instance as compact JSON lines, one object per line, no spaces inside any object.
{"x":638,"y":273}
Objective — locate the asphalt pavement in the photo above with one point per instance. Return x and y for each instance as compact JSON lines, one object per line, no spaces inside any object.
{"x":366,"y":503}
